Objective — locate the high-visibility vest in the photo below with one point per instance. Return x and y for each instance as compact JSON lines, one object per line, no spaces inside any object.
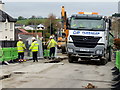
{"x":20,"y":46}
{"x":34,"y":46}
{"x":52,"y":43}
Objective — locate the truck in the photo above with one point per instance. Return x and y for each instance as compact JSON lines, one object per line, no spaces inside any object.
{"x":88,"y":37}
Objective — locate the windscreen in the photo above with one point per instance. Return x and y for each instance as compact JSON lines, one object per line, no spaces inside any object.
{"x":87,"y":24}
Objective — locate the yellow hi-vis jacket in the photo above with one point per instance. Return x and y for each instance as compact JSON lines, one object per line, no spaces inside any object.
{"x":34,"y":46}
{"x":52,"y":43}
{"x":20,"y":46}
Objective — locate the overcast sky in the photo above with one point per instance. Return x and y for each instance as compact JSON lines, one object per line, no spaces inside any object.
{"x":60,"y":0}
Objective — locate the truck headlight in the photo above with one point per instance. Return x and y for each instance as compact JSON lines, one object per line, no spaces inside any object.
{"x":99,"y":52}
{"x":70,"y":50}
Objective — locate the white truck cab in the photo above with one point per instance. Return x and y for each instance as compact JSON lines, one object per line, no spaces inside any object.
{"x":88,"y":38}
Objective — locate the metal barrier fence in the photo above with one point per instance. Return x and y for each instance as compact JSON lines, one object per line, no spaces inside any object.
{"x":7,"y":54}
{"x":8,"y":50}
{"x":118,"y":59}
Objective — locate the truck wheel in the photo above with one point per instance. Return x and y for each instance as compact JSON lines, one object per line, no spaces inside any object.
{"x":70,"y":59}
{"x":103,"y":61}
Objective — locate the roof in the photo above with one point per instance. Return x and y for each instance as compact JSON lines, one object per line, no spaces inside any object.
{"x":33,"y":34}
{"x":1,"y":2}
{"x":33,"y":26}
{"x":22,"y":30}
{"x":40,"y":25}
{"x":4,"y":16}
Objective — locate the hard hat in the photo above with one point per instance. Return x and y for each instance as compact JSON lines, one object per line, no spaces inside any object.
{"x":33,"y":38}
{"x":51,"y":36}
{"x":20,"y":38}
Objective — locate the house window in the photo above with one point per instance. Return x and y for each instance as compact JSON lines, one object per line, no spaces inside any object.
{"x":11,"y":26}
{"x":6,"y":26}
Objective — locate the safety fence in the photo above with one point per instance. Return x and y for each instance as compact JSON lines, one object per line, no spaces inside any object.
{"x":118,"y":59}
{"x":8,"y":50}
{"x":46,"y":53}
{"x":7,"y":54}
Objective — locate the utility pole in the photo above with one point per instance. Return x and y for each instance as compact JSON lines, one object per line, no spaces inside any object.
{"x":50,"y":26}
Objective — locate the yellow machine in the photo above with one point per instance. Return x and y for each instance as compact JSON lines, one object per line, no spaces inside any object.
{"x":62,"y":36}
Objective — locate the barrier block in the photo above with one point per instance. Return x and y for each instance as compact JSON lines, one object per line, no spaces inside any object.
{"x":14,"y":53}
{"x":6,"y":54}
{"x":46,"y":53}
{"x":118,"y":59}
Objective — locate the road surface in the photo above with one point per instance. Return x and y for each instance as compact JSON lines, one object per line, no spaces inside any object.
{"x":57,"y":75}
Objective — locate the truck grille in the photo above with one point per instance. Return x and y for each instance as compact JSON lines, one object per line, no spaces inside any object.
{"x":85,"y":41}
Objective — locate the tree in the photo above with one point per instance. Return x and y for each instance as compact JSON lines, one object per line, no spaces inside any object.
{"x":21,"y":18}
{"x":33,"y":17}
{"x":52,"y":24}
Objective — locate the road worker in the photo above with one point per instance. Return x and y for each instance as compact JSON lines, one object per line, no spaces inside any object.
{"x":51,"y":45}
{"x":34,"y":48}
{"x":21,"y":48}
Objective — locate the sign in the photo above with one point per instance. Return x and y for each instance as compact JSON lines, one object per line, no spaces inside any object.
{"x":85,"y":32}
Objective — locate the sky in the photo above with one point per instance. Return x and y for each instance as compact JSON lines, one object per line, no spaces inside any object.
{"x":60,"y":0}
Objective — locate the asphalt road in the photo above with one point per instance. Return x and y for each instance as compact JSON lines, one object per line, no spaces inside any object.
{"x":57,"y":75}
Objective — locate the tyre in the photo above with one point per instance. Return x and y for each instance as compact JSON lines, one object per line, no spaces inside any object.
{"x":71,"y":59}
{"x":103,"y":61}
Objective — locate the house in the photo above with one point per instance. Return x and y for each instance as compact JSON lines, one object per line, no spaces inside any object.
{"x":7,"y":31}
{"x":30,"y":27}
{"x":19,"y":26}
{"x":19,"y":31}
{"x":40,"y":27}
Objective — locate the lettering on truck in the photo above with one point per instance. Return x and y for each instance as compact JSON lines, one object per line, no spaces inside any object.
{"x":87,"y":33}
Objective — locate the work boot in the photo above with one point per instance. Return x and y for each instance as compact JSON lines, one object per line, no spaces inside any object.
{"x":22,"y":60}
{"x":115,"y":68}
{"x":116,"y":72}
{"x":19,"y":61}
{"x":49,"y":58}
{"x":115,"y":84}
{"x":53,"y":58}
{"x":117,"y":78}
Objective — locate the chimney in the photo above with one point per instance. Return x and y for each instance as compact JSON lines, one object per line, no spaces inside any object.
{"x":1,"y":5}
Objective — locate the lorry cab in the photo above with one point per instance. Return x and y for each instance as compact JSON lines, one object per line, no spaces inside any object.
{"x":88,"y":37}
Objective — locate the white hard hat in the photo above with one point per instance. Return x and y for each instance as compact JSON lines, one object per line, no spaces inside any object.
{"x":33,"y":38}
{"x":51,"y":36}
{"x":20,"y":38}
